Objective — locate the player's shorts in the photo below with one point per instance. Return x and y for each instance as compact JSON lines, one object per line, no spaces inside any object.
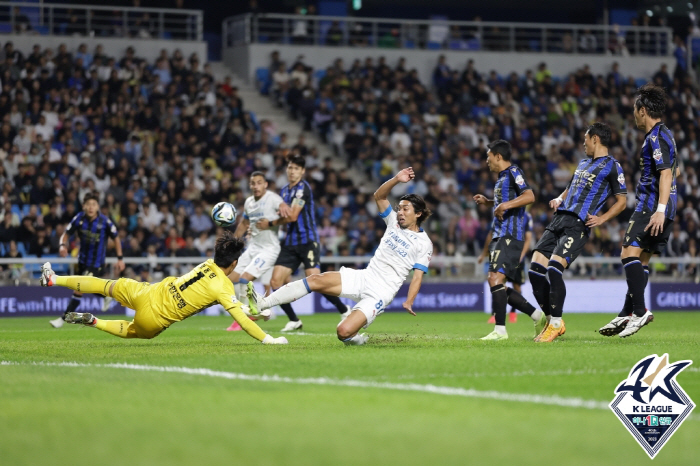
{"x":519,"y":278}
{"x":565,"y":236}
{"x":257,"y":260}
{"x":504,"y":256}
{"x":83,"y":269}
{"x":266,"y":277}
{"x":146,"y":300}
{"x":293,"y":256}
{"x":636,"y":236}
{"x":371,"y":294}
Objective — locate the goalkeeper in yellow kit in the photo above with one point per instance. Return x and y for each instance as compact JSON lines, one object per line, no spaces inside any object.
{"x":173,"y":299}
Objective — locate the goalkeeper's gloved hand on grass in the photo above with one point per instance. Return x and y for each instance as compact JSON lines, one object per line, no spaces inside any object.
{"x":270,"y":340}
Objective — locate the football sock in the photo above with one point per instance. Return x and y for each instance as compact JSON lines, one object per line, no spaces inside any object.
{"x":499,"y":302}
{"x":555,"y":322}
{"x":537,"y":315}
{"x":635,"y":283}
{"x":516,"y":300}
{"x":557,"y":292}
{"x":627,"y":308}
{"x":500,"y":329}
{"x":73,"y":304}
{"x":119,"y":328}
{"x":540,"y":286}
{"x":356,"y":340}
{"x":241,"y":291}
{"x":84,"y":284}
{"x":289,"y":310}
{"x":287,"y":294}
{"x":334,"y":300}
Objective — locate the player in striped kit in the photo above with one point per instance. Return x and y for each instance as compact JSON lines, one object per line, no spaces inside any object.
{"x":650,"y":225}
{"x":511,"y":195}
{"x":596,"y":179}
{"x":93,"y":229}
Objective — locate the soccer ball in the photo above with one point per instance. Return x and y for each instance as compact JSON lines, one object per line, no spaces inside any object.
{"x":224,"y":214}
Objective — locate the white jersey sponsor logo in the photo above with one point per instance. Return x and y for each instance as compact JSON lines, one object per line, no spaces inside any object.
{"x":398,"y":252}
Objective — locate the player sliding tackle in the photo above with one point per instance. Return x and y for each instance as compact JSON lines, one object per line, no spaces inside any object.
{"x":174,"y":299}
{"x":404,"y":247}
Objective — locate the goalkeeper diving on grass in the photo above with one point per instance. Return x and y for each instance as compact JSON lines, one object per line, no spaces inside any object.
{"x":171,"y":300}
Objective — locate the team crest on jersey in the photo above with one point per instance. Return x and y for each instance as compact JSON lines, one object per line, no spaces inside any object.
{"x":519,"y":180}
{"x":650,"y":403}
{"x":621,"y":179}
{"x":657,"y":154}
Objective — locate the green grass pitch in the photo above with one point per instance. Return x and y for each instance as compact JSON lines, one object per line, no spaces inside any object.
{"x":331,"y":404}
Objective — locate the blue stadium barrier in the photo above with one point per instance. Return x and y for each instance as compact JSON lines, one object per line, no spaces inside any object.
{"x":409,"y":44}
{"x":434,"y":46}
{"x":639,"y":82}
{"x":34,"y":269}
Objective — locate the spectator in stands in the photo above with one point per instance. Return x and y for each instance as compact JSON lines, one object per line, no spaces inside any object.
{"x":334,"y":35}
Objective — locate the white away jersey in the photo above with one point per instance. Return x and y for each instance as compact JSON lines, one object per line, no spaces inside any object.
{"x":267,"y":207}
{"x":399,"y":252}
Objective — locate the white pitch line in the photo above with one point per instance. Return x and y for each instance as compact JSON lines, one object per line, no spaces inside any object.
{"x":552,"y":400}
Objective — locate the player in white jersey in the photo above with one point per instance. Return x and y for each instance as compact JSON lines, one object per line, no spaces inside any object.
{"x":264,"y":245}
{"x":404,"y":247}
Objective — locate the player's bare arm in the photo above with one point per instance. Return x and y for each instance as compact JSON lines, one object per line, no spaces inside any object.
{"x":614,"y":211}
{"x":526,"y":244}
{"x":555,"y":203}
{"x":242,"y":228}
{"x":657,"y":220}
{"x":413,"y":290}
{"x":120,"y":265}
{"x":381,"y":194}
{"x":485,"y":251}
{"x":285,"y":210}
{"x":526,"y":198}
{"x":483,"y":200}
{"x":292,"y":217}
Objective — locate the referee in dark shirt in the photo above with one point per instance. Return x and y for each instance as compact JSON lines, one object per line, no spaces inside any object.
{"x":300,"y":245}
{"x":93,"y":230}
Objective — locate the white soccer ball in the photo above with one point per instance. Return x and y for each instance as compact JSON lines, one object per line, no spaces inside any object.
{"x":224,"y":214}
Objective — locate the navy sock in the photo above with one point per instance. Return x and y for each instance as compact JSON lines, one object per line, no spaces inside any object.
{"x":540,"y":286}
{"x":627,"y":308}
{"x":557,"y":292}
{"x":635,"y":284}
{"x":334,"y":300}
{"x":518,"y":302}
{"x":499,"y":302}
{"x":73,"y":304}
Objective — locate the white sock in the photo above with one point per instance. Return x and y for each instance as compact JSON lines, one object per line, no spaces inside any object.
{"x":501,"y":330}
{"x":241,"y":292}
{"x":287,"y":294}
{"x":555,"y":322}
{"x":537,"y":315}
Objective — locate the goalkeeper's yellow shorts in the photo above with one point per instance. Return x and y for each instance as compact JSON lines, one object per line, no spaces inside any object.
{"x":144,"y":299}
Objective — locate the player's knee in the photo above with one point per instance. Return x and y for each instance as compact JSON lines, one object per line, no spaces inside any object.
{"x":494,"y":279}
{"x":314,"y":282}
{"x":345,"y":331}
{"x":276,"y":283}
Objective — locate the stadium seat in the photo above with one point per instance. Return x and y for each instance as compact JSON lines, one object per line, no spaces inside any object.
{"x":33,"y":269}
{"x":263,"y":80}
{"x":409,"y":44}
{"x":434,"y":46}
{"x":639,"y":82}
{"x":17,"y":210}
{"x":21,"y":248}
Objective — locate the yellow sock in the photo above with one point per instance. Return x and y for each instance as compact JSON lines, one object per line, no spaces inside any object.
{"x":84,"y":284}
{"x":118,"y":328}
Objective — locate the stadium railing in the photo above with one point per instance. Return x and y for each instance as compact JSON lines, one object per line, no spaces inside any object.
{"x":102,"y":21}
{"x":443,"y":268}
{"x":449,"y":35}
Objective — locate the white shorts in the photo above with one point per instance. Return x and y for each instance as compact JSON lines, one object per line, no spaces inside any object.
{"x":370,"y":293}
{"x":257,"y":261}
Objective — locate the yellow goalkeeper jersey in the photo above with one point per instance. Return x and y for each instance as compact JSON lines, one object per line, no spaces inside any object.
{"x":203,"y":286}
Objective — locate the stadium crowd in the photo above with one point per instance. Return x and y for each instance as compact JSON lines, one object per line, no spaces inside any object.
{"x":380,"y":116}
{"x":161,"y":142}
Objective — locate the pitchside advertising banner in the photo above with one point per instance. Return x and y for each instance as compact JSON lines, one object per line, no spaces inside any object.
{"x":581,"y":296}
{"x":53,"y":301}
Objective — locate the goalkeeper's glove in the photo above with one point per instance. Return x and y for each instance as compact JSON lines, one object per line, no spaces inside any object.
{"x":270,"y":340}
{"x":264,"y":315}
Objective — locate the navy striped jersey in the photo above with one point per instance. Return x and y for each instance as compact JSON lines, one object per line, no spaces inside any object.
{"x":304,"y":229}
{"x":510,"y":184}
{"x":93,"y":238}
{"x":658,"y":153}
{"x":528,"y":222}
{"x":593,"y":182}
